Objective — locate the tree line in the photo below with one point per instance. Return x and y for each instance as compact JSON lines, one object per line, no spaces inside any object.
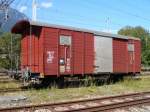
{"x":10,"y":50}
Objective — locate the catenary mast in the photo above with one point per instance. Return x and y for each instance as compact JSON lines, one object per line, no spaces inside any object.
{"x":4,"y":6}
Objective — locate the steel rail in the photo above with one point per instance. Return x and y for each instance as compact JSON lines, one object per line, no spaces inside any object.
{"x":113,"y":106}
{"x":8,"y":81}
{"x":7,"y":90}
{"x":102,"y":107}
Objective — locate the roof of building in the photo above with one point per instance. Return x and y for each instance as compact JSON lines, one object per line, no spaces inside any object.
{"x":18,"y":27}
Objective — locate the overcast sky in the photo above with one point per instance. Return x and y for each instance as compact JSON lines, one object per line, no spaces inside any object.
{"x":102,"y":15}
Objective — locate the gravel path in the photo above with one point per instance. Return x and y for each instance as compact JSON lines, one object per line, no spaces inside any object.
{"x":134,"y":109}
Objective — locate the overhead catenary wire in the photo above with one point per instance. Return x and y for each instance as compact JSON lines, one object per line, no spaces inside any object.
{"x":132,"y":4}
{"x":90,"y":5}
{"x":117,"y":10}
{"x":80,"y":21}
{"x":78,"y":16}
{"x":75,"y":21}
{"x":82,"y":18}
{"x":122,"y":12}
{"x":17,"y":4}
{"x":4,"y":4}
{"x":4,"y":7}
{"x":86,"y":4}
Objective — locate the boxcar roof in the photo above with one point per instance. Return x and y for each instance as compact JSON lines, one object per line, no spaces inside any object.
{"x":18,"y":27}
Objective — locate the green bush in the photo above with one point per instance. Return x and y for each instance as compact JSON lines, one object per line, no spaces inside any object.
{"x":9,"y":50}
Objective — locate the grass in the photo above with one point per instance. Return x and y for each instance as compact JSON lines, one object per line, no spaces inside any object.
{"x":9,"y":85}
{"x":55,"y":95}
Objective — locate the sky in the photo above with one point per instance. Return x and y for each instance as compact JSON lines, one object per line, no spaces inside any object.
{"x":100,"y":15}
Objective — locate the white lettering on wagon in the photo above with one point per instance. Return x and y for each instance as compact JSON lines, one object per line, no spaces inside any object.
{"x":50,"y":56}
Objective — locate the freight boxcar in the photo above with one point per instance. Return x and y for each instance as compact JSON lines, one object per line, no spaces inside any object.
{"x":49,"y":50}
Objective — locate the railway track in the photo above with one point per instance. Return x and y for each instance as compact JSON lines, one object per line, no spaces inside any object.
{"x":5,"y":79}
{"x":89,"y":105}
{"x":9,"y":81}
{"x":7,"y":90}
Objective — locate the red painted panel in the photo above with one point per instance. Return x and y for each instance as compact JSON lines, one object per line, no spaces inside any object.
{"x":137,"y":55}
{"x":41,"y":51}
{"x":78,"y":53}
{"x":65,"y":32}
{"x":34,"y":47}
{"x":24,"y":51}
{"x":35,"y":52}
{"x":134,"y":58}
{"x":51,"y":51}
{"x":36,"y":56}
{"x":46,"y":51}
{"x":131,"y":58}
{"x":120,"y":54}
{"x":89,"y":53}
{"x":31,"y":50}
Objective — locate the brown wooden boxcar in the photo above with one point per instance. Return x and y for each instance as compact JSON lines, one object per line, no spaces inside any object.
{"x":55,"y":50}
{"x":127,"y":56}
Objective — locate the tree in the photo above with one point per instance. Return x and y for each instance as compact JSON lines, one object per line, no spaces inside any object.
{"x":144,"y":35}
{"x":1,"y":32}
{"x":9,"y":53}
